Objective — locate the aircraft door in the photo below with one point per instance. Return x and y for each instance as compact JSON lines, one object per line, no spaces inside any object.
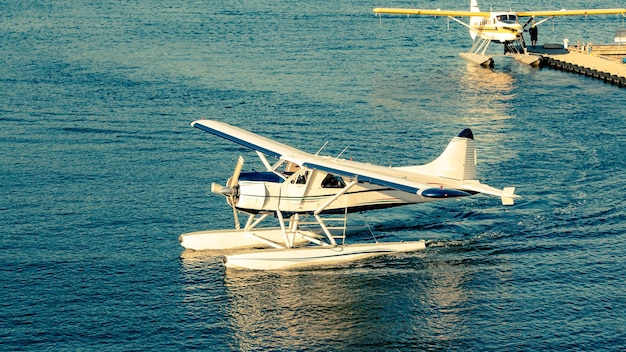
{"x":294,"y":192}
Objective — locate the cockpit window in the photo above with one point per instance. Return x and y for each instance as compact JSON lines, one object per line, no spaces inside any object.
{"x":332,"y":181}
{"x":507,"y":18}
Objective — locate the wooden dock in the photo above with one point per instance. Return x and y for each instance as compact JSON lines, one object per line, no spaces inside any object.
{"x":587,"y":64}
{"x":608,"y":51}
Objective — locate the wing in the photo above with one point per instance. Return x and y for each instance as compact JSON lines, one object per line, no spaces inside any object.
{"x":453,"y":13}
{"x":327,"y":164}
{"x":250,"y":140}
{"x":564,"y":12}
{"x":425,"y":185}
{"x":423,"y":12}
{"x":363,"y":172}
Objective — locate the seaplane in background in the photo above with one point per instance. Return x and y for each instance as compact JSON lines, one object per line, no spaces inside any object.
{"x":498,"y":27}
{"x":311,"y":196}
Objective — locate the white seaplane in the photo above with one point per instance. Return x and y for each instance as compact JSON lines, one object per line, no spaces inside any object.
{"x":499,"y":27}
{"x":310,"y":196}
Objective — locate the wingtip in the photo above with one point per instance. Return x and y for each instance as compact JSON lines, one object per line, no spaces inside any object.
{"x":199,"y":121}
{"x":196,"y":121}
{"x":466,"y":133}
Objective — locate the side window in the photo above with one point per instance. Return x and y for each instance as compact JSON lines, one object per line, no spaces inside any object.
{"x":302,"y":178}
{"x":332,"y":181}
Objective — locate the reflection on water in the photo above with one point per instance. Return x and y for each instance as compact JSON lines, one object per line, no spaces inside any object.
{"x":203,"y":294}
{"x":401,"y":301}
{"x":428,"y":102}
{"x":486,"y":80}
{"x":487,"y":93}
{"x":488,"y":97}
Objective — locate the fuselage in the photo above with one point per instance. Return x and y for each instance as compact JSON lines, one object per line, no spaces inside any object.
{"x":501,"y":27}
{"x":309,"y":191}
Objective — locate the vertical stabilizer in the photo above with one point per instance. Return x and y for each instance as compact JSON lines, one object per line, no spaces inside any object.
{"x":458,"y":160}
{"x":474,"y":6}
{"x":474,"y":21}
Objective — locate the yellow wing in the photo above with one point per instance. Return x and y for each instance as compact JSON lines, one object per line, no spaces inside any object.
{"x":571,"y":12}
{"x":438,"y":12}
{"x":454,"y":13}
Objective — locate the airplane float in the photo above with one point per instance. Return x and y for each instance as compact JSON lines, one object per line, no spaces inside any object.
{"x":498,"y":27}
{"x":311,"y":196}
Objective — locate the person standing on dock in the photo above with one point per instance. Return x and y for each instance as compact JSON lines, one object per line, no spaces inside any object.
{"x":533,"y":34}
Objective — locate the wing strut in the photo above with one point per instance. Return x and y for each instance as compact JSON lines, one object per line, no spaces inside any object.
{"x":333,"y":198}
{"x":327,"y":203}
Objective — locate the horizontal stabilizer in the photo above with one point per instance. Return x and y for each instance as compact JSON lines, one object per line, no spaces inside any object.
{"x":508,"y":193}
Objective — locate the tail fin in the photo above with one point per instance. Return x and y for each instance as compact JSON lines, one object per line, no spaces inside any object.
{"x":474,"y":21}
{"x":474,"y":6}
{"x":458,"y":160}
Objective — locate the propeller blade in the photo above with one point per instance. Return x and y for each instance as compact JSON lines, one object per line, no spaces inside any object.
{"x":236,"y":218}
{"x":527,"y":23}
{"x":232,"y":182}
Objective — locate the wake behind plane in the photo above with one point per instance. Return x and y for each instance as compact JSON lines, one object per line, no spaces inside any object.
{"x":311,"y":196}
{"x":501,"y":27}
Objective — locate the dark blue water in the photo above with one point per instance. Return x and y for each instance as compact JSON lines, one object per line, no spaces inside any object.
{"x":100,"y":172}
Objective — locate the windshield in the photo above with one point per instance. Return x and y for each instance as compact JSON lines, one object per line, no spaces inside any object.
{"x":507,"y":18}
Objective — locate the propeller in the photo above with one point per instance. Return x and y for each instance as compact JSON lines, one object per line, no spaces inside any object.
{"x":229,"y":190}
{"x":527,"y":23}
